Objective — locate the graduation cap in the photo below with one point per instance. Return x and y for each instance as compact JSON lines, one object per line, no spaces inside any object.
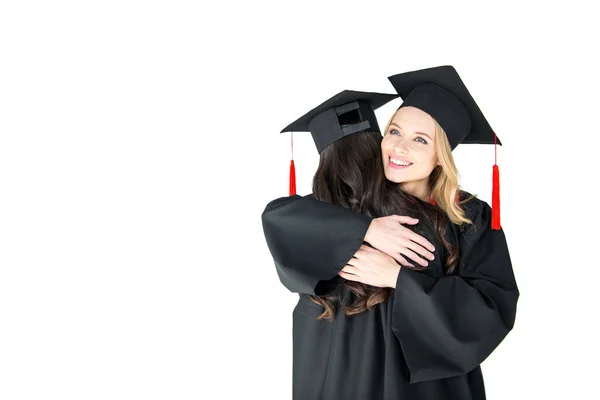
{"x":344,"y":114}
{"x":441,"y":93}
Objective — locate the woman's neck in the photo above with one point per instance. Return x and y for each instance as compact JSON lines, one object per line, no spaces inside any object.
{"x":419,"y":189}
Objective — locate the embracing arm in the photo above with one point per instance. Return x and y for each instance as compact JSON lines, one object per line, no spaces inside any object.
{"x":450,"y":325}
{"x":311,"y":241}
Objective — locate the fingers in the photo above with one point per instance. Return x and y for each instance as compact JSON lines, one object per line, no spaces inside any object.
{"x":350,"y":273}
{"x":368,"y":248}
{"x":350,"y":269}
{"x":413,"y":236}
{"x":363,"y":252}
{"x":421,"y":240}
{"x":417,"y":248}
{"x":402,"y":261}
{"x":349,"y":277}
{"x":404,"y":219}
{"x":413,"y":256}
{"x":412,"y":250}
{"x":368,"y":255}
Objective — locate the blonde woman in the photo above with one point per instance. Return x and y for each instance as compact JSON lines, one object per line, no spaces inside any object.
{"x":447,"y":325}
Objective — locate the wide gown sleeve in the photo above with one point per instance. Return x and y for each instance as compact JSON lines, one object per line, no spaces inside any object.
{"x":448,"y":326}
{"x":311,"y":241}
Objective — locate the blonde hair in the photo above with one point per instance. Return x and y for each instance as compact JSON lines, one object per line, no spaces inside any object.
{"x":443,"y":180}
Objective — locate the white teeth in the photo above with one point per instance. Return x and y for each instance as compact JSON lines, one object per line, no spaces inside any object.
{"x":399,"y":162}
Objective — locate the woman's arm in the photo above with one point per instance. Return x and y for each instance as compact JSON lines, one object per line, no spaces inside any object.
{"x":449,"y":326}
{"x":311,"y":241}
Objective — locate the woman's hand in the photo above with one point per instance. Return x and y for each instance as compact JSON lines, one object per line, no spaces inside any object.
{"x":388,"y":235}
{"x":372,"y":267}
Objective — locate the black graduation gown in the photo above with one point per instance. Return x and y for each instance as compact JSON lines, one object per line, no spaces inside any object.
{"x":426,"y":342}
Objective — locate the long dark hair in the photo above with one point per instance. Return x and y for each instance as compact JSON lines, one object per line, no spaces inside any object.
{"x":350,"y":174}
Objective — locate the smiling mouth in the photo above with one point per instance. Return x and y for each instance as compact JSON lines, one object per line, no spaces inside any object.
{"x":394,"y":162}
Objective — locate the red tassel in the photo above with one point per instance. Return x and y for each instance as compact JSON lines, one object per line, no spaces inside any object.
{"x":496,"y":199}
{"x":292,"y":178}
{"x":292,"y":170}
{"x":495,"y":191}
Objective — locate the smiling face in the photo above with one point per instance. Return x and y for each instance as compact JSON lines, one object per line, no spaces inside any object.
{"x":409,"y":152}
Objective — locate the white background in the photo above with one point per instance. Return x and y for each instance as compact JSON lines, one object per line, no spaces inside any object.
{"x":139,"y":144}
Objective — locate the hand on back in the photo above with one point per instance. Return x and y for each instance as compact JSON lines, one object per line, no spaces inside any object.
{"x":388,"y":235}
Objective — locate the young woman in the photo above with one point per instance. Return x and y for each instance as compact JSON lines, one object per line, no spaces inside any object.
{"x":339,"y":326}
{"x":446,"y":325}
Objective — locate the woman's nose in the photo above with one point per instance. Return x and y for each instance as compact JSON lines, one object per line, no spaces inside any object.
{"x":401,"y":147}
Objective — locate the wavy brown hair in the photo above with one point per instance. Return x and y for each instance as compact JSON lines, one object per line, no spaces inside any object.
{"x":350,"y":174}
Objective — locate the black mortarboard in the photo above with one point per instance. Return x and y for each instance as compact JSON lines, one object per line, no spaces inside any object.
{"x":344,"y":114}
{"x":441,"y":93}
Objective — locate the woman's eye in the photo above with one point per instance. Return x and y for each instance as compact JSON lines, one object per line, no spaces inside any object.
{"x":421,"y":140}
{"x":394,"y":132}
